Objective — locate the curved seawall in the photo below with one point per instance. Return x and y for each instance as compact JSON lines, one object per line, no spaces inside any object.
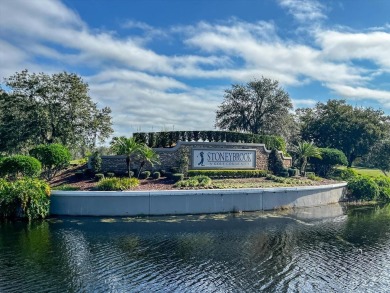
{"x":179,"y":202}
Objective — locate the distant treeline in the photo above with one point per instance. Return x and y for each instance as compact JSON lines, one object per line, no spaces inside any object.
{"x":170,"y":138}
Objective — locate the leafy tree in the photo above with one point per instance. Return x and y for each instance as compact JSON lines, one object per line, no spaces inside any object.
{"x":305,"y":150}
{"x":43,"y":109}
{"x":329,"y":159}
{"x":379,"y":156}
{"x":258,"y":107}
{"x":338,"y":125}
{"x":128,"y":147}
{"x":148,"y":155}
{"x":54,"y":158}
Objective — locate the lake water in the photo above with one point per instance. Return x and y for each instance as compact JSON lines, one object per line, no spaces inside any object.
{"x":328,"y":249}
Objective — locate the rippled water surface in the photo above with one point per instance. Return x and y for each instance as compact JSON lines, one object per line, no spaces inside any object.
{"x":327,"y":249}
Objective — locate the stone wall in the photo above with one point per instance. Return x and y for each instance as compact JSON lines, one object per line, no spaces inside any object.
{"x":170,"y":157}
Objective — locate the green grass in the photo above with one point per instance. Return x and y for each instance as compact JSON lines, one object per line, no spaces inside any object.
{"x":78,"y":162}
{"x":367,"y":172}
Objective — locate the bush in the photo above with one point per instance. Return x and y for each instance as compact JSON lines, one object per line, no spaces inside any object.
{"x":200,"y":180}
{"x":330,"y":159}
{"x":66,"y":187}
{"x":177,"y":177}
{"x":292,"y":172}
{"x":79,"y":174}
{"x":275,"y":163}
{"x":344,"y":174}
{"x":24,"y":198}
{"x":156,"y":175}
{"x":110,"y":174}
{"x":145,"y":175}
{"x":363,"y":188}
{"x":113,"y":184}
{"x":284,"y":173}
{"x":19,"y":166}
{"x":54,"y":157}
{"x":228,"y":173}
{"x":99,"y":176}
{"x":384,"y":188}
{"x":96,"y":162}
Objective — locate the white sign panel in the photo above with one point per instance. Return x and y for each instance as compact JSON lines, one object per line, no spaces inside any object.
{"x":223,"y":159}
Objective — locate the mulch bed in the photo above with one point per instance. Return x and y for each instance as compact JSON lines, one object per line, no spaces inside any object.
{"x":86,"y":183}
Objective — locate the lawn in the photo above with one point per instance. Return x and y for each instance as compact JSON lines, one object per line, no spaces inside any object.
{"x":367,"y":172}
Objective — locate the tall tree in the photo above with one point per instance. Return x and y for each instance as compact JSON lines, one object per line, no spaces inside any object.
{"x":353,"y":130}
{"x":57,"y":108}
{"x":258,"y":107}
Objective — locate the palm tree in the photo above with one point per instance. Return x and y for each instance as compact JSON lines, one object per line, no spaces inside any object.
{"x":148,"y":155}
{"x":305,"y":150}
{"x":128,"y":147}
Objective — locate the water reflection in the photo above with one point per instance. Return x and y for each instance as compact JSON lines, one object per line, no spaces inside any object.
{"x":334,"y":248}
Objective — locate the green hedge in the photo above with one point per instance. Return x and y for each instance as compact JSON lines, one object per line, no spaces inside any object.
{"x":169,"y":138}
{"x":228,"y":173}
{"x":196,"y":181}
{"x":363,"y":188}
{"x":20,"y":166}
{"x":113,"y":184}
{"x":24,"y":198}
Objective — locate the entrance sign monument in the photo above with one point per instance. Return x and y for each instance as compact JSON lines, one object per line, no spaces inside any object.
{"x":223,"y":159}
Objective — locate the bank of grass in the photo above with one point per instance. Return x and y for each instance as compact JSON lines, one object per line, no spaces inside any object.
{"x":234,"y":183}
{"x":367,"y":172}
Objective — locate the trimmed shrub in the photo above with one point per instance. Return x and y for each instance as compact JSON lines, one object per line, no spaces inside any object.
{"x":169,"y":138}
{"x":292,"y":172}
{"x":24,"y":198}
{"x":363,"y":188}
{"x":99,"y":176}
{"x":344,"y":174}
{"x":54,"y":157}
{"x":330,"y":159}
{"x":66,"y":187}
{"x":145,"y":175}
{"x":110,"y":174}
{"x":19,"y":166}
{"x":168,"y":175}
{"x":177,"y":177}
{"x":79,"y":174}
{"x":115,"y":184}
{"x":96,"y":162}
{"x":156,"y":175}
{"x":384,"y":188}
{"x":275,"y":163}
{"x":228,"y":173}
{"x":200,"y":180}
{"x":284,"y":173}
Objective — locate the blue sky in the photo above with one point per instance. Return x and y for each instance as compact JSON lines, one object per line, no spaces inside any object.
{"x":165,"y":64}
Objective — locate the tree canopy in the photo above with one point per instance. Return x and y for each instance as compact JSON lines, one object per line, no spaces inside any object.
{"x":42,"y":109}
{"x":354,"y":130}
{"x":260,"y":107}
{"x":379,"y":156}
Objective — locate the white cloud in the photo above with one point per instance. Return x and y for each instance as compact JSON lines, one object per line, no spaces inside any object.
{"x":358,"y":93}
{"x":149,"y":90}
{"x":342,"y":46}
{"x":304,"y":10}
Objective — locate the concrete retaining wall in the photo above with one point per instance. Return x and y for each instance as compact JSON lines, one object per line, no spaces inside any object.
{"x":176,"y":202}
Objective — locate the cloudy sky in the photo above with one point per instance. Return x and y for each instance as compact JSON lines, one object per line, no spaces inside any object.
{"x":165,"y":64}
